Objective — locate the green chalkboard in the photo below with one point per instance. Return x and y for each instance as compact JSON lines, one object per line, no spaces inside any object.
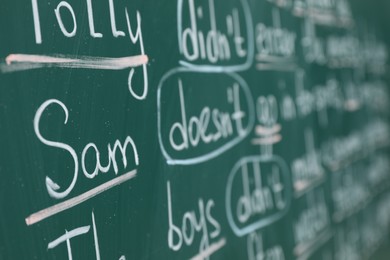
{"x":193,"y":129}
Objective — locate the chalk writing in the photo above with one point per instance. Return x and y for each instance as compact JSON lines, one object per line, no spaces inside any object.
{"x":214,"y":127}
{"x":275,"y":45}
{"x":52,"y":187}
{"x":263,"y":196}
{"x":209,"y":45}
{"x":183,"y":232}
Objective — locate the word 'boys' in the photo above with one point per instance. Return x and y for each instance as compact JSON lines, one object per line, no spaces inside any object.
{"x":185,"y":230}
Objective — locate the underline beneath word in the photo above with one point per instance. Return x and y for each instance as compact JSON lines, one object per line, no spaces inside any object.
{"x":21,"y":62}
{"x":210,"y":250}
{"x":67,"y":204}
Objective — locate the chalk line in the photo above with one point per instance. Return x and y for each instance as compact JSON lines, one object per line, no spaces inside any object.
{"x":267,"y":140}
{"x":20,"y":62}
{"x":68,"y":235}
{"x":209,"y":251}
{"x":264,"y":131}
{"x":261,"y":58}
{"x":67,"y":204}
{"x":276,"y":66}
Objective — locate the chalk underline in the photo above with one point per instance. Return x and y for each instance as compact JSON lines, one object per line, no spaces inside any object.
{"x":67,"y":204}
{"x":21,"y":62}
{"x":210,"y":250}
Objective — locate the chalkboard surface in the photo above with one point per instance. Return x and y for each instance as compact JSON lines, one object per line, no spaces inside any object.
{"x":202,"y":129}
